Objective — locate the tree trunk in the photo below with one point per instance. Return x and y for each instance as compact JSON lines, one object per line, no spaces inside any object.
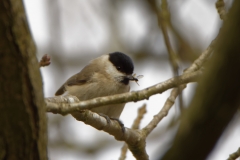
{"x":22,"y":109}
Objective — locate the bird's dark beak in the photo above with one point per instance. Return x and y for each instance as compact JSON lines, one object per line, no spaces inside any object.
{"x":131,"y":78}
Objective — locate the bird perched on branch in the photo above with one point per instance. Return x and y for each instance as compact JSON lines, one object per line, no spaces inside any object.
{"x":106,"y":75}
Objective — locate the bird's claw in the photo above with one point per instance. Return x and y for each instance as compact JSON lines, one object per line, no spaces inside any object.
{"x":116,"y":119}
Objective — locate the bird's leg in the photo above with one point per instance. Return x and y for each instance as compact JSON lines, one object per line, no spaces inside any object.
{"x":120,"y":123}
{"x":106,"y":117}
{"x":112,"y":118}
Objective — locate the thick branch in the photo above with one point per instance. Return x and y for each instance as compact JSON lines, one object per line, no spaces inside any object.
{"x":134,"y":138}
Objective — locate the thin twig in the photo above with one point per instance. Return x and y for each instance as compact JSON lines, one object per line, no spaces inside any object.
{"x":164,"y":111}
{"x":234,"y":155}
{"x":197,"y":64}
{"x":124,"y":150}
{"x":163,"y":18}
{"x":164,"y":21}
{"x":141,"y":111}
{"x":220,"y":5}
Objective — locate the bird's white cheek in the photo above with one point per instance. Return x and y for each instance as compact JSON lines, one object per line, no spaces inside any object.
{"x":111,"y":70}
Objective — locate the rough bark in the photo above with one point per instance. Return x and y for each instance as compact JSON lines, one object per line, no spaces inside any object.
{"x":22,"y":112}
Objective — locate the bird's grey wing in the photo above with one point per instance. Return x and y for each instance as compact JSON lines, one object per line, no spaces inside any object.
{"x":74,"y":80}
{"x":60,"y":91}
{"x":80,"y":78}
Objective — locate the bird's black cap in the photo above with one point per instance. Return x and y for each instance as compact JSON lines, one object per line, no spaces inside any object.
{"x":122,"y":62}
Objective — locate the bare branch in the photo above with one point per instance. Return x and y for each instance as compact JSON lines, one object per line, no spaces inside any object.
{"x":62,"y":107}
{"x":163,"y":21}
{"x":134,"y":138}
{"x":220,"y":5}
{"x":234,"y":155}
{"x":164,"y":111}
{"x":198,"y":63}
{"x":141,"y":111}
{"x":67,"y":104}
{"x":163,"y":16}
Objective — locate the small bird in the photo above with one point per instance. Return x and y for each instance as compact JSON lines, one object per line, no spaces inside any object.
{"x":106,"y":75}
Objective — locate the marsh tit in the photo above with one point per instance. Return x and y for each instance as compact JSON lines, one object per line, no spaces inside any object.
{"x":106,"y":75}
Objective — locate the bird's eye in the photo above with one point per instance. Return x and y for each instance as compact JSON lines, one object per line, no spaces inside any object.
{"x":118,"y":67}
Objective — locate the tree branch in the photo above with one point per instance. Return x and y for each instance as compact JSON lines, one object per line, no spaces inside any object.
{"x":220,"y":5}
{"x":134,"y":138}
{"x":163,"y":21}
{"x":59,"y":105}
{"x":198,"y":63}
{"x":141,"y":111}
{"x":234,"y":155}
{"x":164,"y":111}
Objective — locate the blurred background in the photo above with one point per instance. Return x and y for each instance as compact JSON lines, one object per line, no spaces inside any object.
{"x":74,"y":32}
